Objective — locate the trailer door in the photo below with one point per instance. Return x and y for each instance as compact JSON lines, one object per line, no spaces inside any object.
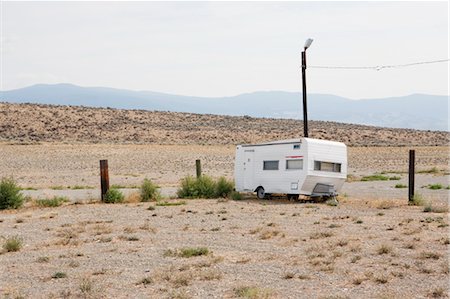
{"x":248,"y":169}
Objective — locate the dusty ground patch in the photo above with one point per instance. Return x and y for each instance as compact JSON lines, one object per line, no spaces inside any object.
{"x":275,"y":248}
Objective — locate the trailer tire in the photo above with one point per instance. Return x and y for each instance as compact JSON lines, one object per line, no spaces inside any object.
{"x":260,"y":193}
{"x":292,"y":196}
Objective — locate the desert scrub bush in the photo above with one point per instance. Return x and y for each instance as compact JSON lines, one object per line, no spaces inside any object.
{"x":400,"y":186}
{"x":435,"y":186}
{"x":10,"y":196}
{"x":384,"y":249}
{"x":395,"y":178}
{"x":114,"y":196}
{"x":149,"y":191}
{"x":13,"y":244}
{"x":187,"y":252}
{"x":252,"y":292}
{"x":431,"y":170}
{"x":56,"y":201}
{"x":204,"y":187}
{"x":417,"y":200}
{"x":224,"y":187}
{"x":374,"y":177}
{"x":170,"y":203}
{"x":236,"y":195}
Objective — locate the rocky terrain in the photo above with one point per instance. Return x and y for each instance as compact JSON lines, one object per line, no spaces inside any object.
{"x":33,"y":123}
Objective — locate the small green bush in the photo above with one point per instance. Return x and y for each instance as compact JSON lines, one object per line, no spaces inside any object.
{"x":374,"y":177}
{"x":236,"y":195}
{"x":224,"y":187}
{"x":10,"y":196}
{"x":204,"y":187}
{"x":417,"y":200}
{"x":395,"y":178}
{"x":400,"y":186}
{"x":435,"y":186}
{"x":149,"y":191}
{"x":56,"y":201}
{"x":13,"y":244}
{"x":194,"y":251}
{"x":114,"y":196}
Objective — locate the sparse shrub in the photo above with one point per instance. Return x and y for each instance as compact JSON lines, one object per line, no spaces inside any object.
{"x":10,"y":196}
{"x":374,"y":177}
{"x":252,"y":292}
{"x":395,"y":178}
{"x":435,"y":186}
{"x":187,"y":252}
{"x":384,"y":249}
{"x":236,"y":195}
{"x":149,"y":191}
{"x":86,"y":286}
{"x":417,"y":200}
{"x":438,"y":293}
{"x":288,"y":275}
{"x":320,"y":235}
{"x":114,"y":196}
{"x":195,"y":251}
{"x":13,"y":244}
{"x":431,"y":170}
{"x":204,"y":187}
{"x":332,"y":202}
{"x":146,"y":280}
{"x":427,"y":208}
{"x":59,"y":275}
{"x":170,"y":203}
{"x":400,"y":186}
{"x":43,"y":259}
{"x":385,"y":204}
{"x":429,"y":255}
{"x":224,"y":187}
{"x":56,"y":201}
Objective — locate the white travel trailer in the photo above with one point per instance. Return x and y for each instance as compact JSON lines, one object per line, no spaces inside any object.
{"x":294,"y":167}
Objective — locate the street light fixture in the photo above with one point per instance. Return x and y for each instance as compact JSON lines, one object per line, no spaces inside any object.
{"x":305,"y":112}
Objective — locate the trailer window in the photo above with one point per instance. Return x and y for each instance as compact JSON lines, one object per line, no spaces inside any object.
{"x":270,"y":165}
{"x":294,"y":164}
{"x":327,"y":166}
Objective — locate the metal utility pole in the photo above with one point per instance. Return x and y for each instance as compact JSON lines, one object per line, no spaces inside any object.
{"x":305,"y":110}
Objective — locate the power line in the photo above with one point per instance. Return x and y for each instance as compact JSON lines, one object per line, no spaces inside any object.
{"x":377,"y":67}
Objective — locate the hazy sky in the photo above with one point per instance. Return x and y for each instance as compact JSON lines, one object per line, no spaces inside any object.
{"x":221,"y":49}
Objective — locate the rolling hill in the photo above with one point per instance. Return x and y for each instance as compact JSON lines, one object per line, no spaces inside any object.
{"x":417,"y":111}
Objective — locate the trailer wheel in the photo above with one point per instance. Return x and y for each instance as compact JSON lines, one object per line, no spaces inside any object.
{"x":292,"y":196}
{"x":260,"y":193}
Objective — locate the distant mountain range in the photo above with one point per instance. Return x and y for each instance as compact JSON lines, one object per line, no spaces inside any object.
{"x":416,"y":111}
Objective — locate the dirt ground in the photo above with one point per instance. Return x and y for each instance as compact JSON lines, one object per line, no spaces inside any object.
{"x":371,"y":245}
{"x":52,"y":164}
{"x":256,"y":249}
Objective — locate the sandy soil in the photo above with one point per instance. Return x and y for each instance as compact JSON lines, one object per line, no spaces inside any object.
{"x":283,"y":250}
{"x":50,"y":164}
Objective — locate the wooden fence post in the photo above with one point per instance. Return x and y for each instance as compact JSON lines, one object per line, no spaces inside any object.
{"x":198,"y":168}
{"x":411,"y":175}
{"x":104,"y":178}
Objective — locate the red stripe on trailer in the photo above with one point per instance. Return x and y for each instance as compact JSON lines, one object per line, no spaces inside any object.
{"x":294,"y":156}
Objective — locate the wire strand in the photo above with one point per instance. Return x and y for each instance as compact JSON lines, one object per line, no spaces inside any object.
{"x":377,"y":67}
